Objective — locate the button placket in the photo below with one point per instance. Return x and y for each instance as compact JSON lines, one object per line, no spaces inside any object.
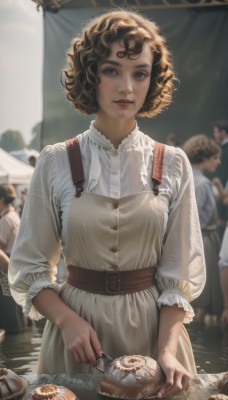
{"x":115,"y":174}
{"x":115,"y":234}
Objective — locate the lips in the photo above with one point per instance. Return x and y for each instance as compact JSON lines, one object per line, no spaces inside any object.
{"x":123,"y":101}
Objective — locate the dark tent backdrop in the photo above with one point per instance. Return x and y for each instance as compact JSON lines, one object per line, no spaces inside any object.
{"x":197,"y":38}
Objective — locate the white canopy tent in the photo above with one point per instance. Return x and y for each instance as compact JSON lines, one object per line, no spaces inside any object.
{"x":24,"y":154}
{"x":14,"y":171}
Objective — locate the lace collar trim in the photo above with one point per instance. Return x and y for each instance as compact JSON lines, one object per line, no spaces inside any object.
{"x":127,"y":143}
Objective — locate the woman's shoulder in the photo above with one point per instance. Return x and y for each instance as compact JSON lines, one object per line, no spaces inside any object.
{"x":54,"y":160}
{"x":56,"y":152}
{"x":177,"y":158}
{"x":50,"y":151}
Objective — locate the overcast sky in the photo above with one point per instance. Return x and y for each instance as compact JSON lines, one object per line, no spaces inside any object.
{"x":21,"y":64}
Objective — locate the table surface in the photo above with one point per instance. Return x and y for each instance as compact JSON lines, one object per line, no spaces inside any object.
{"x":84,"y":386}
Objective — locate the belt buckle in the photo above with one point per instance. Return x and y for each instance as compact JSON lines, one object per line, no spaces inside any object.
{"x":112,"y":282}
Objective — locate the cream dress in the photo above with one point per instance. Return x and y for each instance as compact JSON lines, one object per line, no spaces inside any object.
{"x":117,"y":224}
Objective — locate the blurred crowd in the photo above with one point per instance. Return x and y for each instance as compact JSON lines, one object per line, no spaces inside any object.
{"x":208,"y":155}
{"x":12,"y":199}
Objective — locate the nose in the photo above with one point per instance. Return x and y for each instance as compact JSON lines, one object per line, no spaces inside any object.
{"x":125,"y":85}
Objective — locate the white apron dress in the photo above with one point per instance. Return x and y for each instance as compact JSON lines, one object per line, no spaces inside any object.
{"x":110,"y":234}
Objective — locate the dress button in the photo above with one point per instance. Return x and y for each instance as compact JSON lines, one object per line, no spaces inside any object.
{"x":114,"y":249}
{"x":115,"y":227}
{"x":116,"y":204}
{"x":115,"y":267}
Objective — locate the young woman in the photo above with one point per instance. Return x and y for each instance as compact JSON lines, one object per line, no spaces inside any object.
{"x":133,"y":261}
{"x":204,"y":155}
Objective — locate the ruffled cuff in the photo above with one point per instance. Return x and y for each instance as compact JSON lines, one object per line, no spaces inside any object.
{"x":169,"y":298}
{"x":29,"y":310}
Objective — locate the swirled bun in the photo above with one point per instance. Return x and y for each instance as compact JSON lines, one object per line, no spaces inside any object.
{"x":131,"y":377}
{"x":11,"y":384}
{"x":50,"y":392}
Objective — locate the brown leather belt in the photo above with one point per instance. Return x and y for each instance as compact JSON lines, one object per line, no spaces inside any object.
{"x":111,"y":282}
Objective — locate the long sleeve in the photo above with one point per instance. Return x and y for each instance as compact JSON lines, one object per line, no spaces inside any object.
{"x":36,"y":250}
{"x":204,"y":198}
{"x":181,"y":271}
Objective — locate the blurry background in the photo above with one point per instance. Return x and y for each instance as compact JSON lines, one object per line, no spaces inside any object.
{"x":33,"y":48}
{"x":21,"y":65}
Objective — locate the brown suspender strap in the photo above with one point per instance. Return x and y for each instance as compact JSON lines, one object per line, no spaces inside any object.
{"x":77,"y":172}
{"x":157,"y":168}
{"x":76,"y":166}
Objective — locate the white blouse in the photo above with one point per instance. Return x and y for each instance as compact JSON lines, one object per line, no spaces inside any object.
{"x":113,"y":173}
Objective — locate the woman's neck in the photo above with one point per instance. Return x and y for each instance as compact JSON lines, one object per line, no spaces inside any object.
{"x":200,"y":167}
{"x":114,"y":130}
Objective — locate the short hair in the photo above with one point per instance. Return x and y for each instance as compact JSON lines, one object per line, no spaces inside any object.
{"x":79,"y":78}
{"x":32,"y":160}
{"x":221,"y":124}
{"x":8,"y":193}
{"x":200,"y":147}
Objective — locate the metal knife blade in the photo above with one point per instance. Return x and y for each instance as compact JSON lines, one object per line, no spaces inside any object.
{"x":102,"y":362}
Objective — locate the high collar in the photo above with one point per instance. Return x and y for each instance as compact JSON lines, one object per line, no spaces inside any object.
{"x":127,"y":143}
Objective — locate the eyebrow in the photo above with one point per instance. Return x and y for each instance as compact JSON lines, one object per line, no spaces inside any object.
{"x":144,"y":65}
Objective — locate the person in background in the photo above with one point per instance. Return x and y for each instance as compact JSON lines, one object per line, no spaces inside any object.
{"x":118,"y":202}
{"x":223,"y":255}
{"x":204,"y":155}
{"x":223,"y":265}
{"x":220,"y":134}
{"x":12,"y":319}
{"x":4,"y":262}
{"x":173,"y":140}
{"x":21,"y":204}
{"x":222,"y":191}
{"x":32,"y":161}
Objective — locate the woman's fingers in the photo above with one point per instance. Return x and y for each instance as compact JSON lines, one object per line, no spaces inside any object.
{"x":180,"y":382}
{"x":86,"y":349}
{"x":80,"y":356}
{"x":95,"y":344}
{"x":186,"y":382}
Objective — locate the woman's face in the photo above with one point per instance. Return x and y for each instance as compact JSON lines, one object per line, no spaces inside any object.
{"x":124,"y":83}
{"x":211,"y":164}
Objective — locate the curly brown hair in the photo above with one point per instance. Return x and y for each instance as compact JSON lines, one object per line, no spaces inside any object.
{"x":200,"y":147}
{"x":79,"y":78}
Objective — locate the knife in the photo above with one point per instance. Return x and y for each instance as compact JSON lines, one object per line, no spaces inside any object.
{"x":103,"y":361}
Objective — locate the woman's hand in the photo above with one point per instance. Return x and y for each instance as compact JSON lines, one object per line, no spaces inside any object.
{"x":80,"y":339}
{"x":177,"y":377}
{"x":78,"y":335}
{"x":170,"y":327}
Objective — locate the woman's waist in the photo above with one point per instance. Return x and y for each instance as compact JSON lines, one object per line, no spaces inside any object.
{"x":111,"y":282}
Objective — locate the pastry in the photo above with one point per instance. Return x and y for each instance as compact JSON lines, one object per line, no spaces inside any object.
{"x":11,"y":384}
{"x":131,"y":377}
{"x":50,"y":392}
